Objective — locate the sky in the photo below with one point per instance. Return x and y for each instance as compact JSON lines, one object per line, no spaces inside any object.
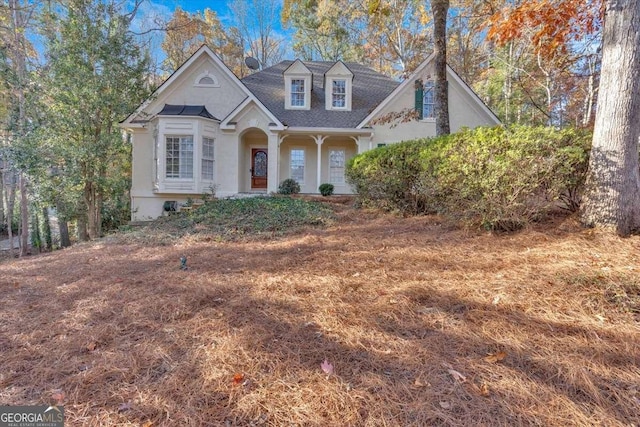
{"x":153,"y":10}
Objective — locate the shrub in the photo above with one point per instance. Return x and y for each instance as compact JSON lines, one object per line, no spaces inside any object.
{"x":326,"y":189}
{"x":388,"y":177}
{"x":289,"y":186}
{"x":500,"y":178}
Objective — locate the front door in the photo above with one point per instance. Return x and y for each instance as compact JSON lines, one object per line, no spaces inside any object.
{"x":258,"y":168}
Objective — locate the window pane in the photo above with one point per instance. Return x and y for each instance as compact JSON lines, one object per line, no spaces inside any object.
{"x":186,"y":157}
{"x":338,"y":94}
{"x":179,"y":157}
{"x":297,"y":92}
{"x":207,"y":159}
{"x":297,"y":165}
{"x":428,"y":102}
{"x":336,"y":166}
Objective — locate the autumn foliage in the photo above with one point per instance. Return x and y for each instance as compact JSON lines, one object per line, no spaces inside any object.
{"x":555,"y":23}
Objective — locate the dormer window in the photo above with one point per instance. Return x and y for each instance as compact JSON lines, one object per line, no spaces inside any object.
{"x":297,"y":93}
{"x":338,"y":83}
{"x":339,"y":93}
{"x":297,"y":84}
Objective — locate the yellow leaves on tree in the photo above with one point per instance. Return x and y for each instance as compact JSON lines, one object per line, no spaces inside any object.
{"x":553,"y":24}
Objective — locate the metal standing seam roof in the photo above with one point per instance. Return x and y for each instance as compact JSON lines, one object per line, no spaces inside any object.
{"x":369,"y":89}
{"x":186,"y":110}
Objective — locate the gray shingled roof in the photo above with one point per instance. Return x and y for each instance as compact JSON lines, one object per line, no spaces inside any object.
{"x":370,"y":88}
{"x":186,"y":110}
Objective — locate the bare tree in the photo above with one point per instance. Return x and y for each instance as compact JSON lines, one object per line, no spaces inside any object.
{"x":255,"y":20}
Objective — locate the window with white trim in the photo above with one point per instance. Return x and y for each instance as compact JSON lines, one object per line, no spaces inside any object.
{"x":179,"y":157}
{"x":339,"y":93}
{"x":297,"y":92}
{"x":336,"y":166}
{"x":428,"y":100}
{"x":207,"y":159}
{"x":297,"y":165}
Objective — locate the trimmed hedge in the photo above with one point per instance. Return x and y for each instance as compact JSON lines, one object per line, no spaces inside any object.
{"x":499,"y":178}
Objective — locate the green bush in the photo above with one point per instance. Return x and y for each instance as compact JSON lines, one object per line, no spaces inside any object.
{"x":500,"y":178}
{"x":289,"y":186}
{"x":389,"y":177}
{"x":326,"y":189}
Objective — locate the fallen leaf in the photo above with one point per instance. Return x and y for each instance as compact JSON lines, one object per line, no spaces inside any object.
{"x":445,"y":405}
{"x":457,"y":375}
{"x":484,"y":390}
{"x":91,"y":346}
{"x":58,"y":396}
{"x":495,"y":357}
{"x":496,"y":300}
{"x":418,"y":383}
{"x":237,"y":378}
{"x":326,"y":367}
{"x":147,"y":424}
{"x":124,"y":407}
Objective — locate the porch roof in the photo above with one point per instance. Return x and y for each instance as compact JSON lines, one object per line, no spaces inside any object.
{"x":186,"y":110}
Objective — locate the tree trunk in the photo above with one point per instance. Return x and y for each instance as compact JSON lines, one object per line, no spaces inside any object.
{"x":612,"y":198}
{"x":440,"y":9}
{"x":93,"y":210}
{"x":2,"y":216}
{"x":63,"y":227}
{"x":47,"y":240}
{"x":24,"y":216}
{"x":11,"y":201}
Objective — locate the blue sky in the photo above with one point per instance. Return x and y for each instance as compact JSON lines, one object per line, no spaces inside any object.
{"x":153,"y":10}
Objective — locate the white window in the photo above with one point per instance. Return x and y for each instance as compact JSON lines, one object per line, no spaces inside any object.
{"x":297,"y":165}
{"x":207,"y":159}
{"x":428,"y":101}
{"x":297,"y":92}
{"x":339,"y":93}
{"x":179,"y":157}
{"x":336,"y":166}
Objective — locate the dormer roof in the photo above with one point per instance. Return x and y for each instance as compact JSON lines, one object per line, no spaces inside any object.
{"x":370,"y":88}
{"x":339,"y":69}
{"x":297,"y":68}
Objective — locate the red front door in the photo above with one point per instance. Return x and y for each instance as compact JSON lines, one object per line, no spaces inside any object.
{"x":258,"y":168}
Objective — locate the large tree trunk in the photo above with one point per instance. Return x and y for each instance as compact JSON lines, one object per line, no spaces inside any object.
{"x":612,"y":198}
{"x":440,"y":9}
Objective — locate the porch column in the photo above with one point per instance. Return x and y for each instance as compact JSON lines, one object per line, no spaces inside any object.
{"x":363,"y":143}
{"x":319,"y":140}
{"x":272,"y":162}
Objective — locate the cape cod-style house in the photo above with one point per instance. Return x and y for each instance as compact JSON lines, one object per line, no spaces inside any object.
{"x":204,"y":128}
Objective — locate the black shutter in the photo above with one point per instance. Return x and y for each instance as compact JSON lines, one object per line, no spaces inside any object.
{"x":419,"y":87}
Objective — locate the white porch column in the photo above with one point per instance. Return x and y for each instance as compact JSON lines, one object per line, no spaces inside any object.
{"x":272,"y":163}
{"x":319,"y":140}
{"x":364,"y":143}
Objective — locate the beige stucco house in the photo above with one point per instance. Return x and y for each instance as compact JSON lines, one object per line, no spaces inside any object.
{"x":205,"y":129}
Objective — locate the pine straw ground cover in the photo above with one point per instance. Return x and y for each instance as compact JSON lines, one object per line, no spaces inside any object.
{"x":422,"y":324}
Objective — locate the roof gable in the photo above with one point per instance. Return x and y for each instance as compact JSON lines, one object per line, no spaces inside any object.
{"x":422,"y":73}
{"x":339,"y":69}
{"x":297,"y":68}
{"x":185,"y":87}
